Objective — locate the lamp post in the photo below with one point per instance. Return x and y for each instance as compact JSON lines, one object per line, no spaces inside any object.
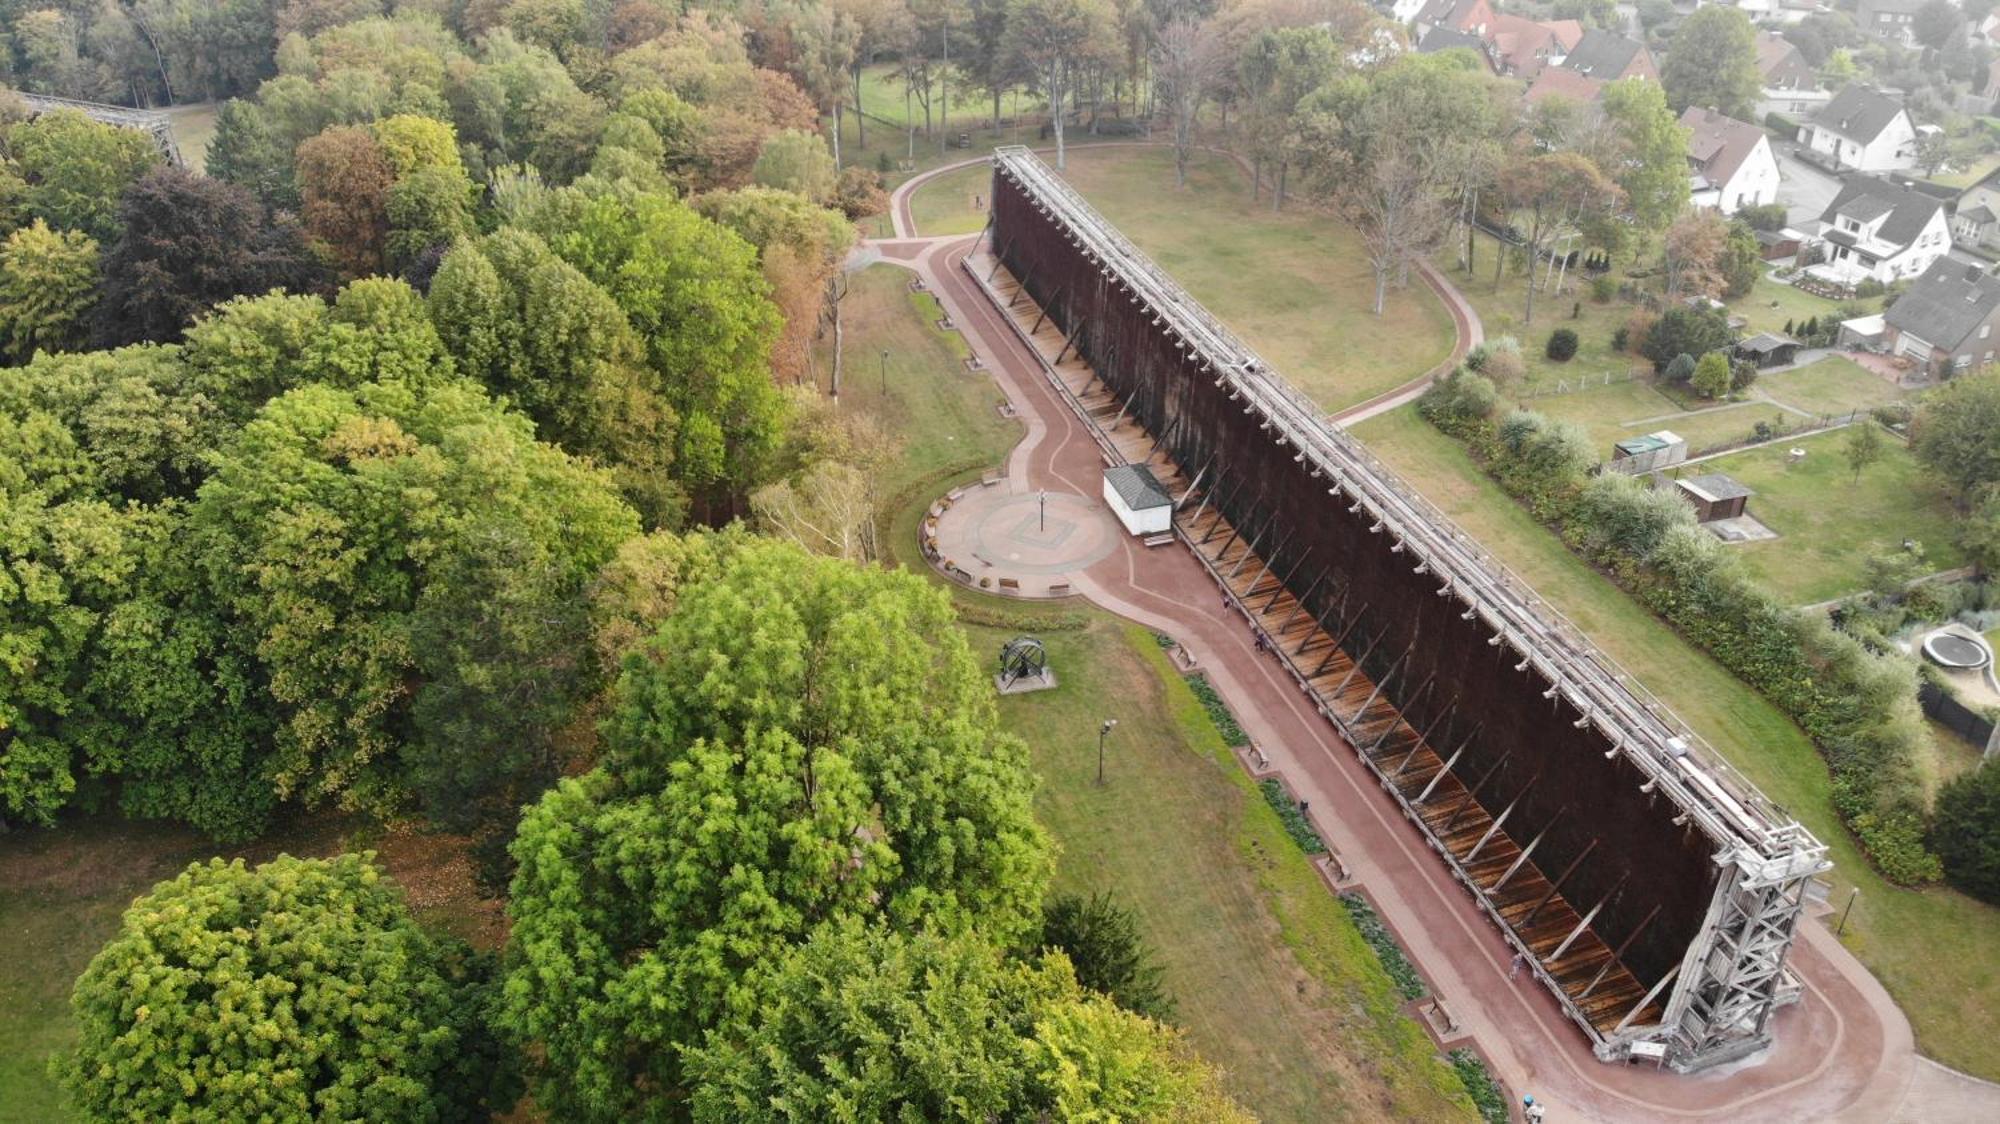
{"x":1101,"y":732}
{"x":1042,"y":497}
{"x":885,"y":372}
{"x":1841,"y":928}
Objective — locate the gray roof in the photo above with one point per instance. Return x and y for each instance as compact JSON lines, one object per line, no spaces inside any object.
{"x":1602,"y":54}
{"x":1763,"y":343}
{"x":1714,"y":486}
{"x":1947,"y":304}
{"x":1866,"y":197}
{"x":1859,"y":113}
{"x":1442,"y":38}
{"x":1976,"y":214}
{"x":1137,"y":486}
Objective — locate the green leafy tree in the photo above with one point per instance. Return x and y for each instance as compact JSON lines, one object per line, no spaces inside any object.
{"x":1652,"y":167}
{"x":798,"y":162}
{"x":868,"y":1024}
{"x":413,"y":143}
{"x":1741,"y":261}
{"x":187,"y":243}
{"x":1053,"y":43}
{"x":77,"y":170}
{"x":406,"y":562}
{"x":1965,"y":832}
{"x":252,"y":151}
{"x":694,"y":293}
{"x":1713,"y":63}
{"x":1953,"y":434}
{"x":427,"y":209}
{"x":300,"y":989}
{"x":1103,"y":943}
{"x":1862,"y":448}
{"x":1936,"y":22}
{"x":1685,"y":331}
{"x":1711,"y":375}
{"x":803,"y":741}
{"x":532,"y":327}
{"x":1978,"y":534}
{"x":48,"y":283}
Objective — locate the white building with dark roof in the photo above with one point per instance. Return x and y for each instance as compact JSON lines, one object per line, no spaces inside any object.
{"x":1864,"y":129}
{"x":1880,"y":230}
{"x":1730,"y":163}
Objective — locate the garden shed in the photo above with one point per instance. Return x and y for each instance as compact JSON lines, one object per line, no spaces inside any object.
{"x":1138,"y":499}
{"x":1768,"y":349}
{"x":1662,"y":448}
{"x":1715,"y":495}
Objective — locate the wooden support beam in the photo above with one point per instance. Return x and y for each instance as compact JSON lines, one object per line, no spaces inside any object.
{"x":1440,"y":774}
{"x":1248,"y":553}
{"x":1221,"y":516}
{"x":1043,"y":314}
{"x":1198,"y":477}
{"x":1491,"y":829}
{"x":1285,"y":582}
{"x":1365,"y":653}
{"x":1022,"y":290}
{"x":1383,"y":682}
{"x":1647,"y":998}
{"x":1339,"y":616}
{"x":1265,"y":568}
{"x":1424,"y":738}
{"x":1587,"y":919}
{"x":999,"y":258}
{"x":1522,"y":859}
{"x":1557,"y":885}
{"x":1067,"y":341}
{"x":1617,"y":956}
{"x":1301,"y":603}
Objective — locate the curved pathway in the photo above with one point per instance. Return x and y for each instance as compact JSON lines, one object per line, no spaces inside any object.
{"x":1845,"y":1053}
{"x":1465,"y":319}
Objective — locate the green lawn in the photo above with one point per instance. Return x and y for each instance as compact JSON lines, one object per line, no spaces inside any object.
{"x":882,"y":97}
{"x":1293,"y":285}
{"x":1769,"y":306}
{"x":944,"y":205}
{"x":1272,"y":981}
{"x":1938,"y":952}
{"x":1833,"y":385}
{"x":1633,"y":408}
{"x":194,"y":127}
{"x":1828,"y":521}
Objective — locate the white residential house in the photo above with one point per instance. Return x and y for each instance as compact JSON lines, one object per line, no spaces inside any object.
{"x":1730,"y":163}
{"x":1865,"y":130}
{"x":1880,"y":230}
{"x":1765,"y":12}
{"x":1791,"y":85}
{"x":1976,"y":219}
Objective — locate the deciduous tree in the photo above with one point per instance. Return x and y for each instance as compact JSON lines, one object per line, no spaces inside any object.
{"x":300,"y":989}
{"x":78,"y":169}
{"x":1188,"y":60}
{"x":344,"y":179}
{"x":48,"y":283}
{"x":803,"y":741}
{"x":1053,"y":41}
{"x":1953,"y":434}
{"x":1713,"y":63}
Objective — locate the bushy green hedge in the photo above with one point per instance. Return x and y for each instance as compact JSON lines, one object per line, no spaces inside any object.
{"x":1293,"y":817}
{"x":1218,"y":711}
{"x":1858,"y":706}
{"x":1404,"y":973}
{"x":1485,"y":1092}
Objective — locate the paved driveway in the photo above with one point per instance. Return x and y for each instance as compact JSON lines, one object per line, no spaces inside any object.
{"x":1803,"y":189}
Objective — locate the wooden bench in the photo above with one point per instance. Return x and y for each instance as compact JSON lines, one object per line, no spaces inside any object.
{"x":1058,"y":589}
{"x":1010,"y":583}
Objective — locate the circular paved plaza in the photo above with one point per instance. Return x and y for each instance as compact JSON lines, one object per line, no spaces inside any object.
{"x":1025,"y":544}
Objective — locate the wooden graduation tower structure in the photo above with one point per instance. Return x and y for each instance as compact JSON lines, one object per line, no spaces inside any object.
{"x":1652,"y":891}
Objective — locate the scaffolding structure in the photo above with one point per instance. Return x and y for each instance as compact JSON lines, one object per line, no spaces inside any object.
{"x":1715,"y":1003}
{"x":152,"y":122}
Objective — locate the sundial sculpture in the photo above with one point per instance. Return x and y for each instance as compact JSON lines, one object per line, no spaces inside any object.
{"x":1024,"y":666}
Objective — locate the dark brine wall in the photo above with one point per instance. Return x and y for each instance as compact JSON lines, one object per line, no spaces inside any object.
{"x":1446,"y":676}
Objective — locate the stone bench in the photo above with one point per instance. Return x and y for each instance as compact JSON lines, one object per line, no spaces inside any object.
{"x":1161,"y":539}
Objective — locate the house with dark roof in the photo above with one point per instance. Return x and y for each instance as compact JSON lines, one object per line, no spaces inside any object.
{"x":1608,"y":56}
{"x":1864,"y":129}
{"x":1893,"y":20}
{"x":1948,"y":320}
{"x":1976,"y":219}
{"x":1474,"y":17}
{"x":1445,"y":39}
{"x":1881,"y":230}
{"x":1790,"y":84}
{"x":1730,"y":163}
{"x":1522,"y":47}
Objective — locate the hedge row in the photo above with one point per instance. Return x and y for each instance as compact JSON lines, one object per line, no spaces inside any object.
{"x":1486,"y":1094}
{"x":1218,"y":711}
{"x":1858,"y":706}
{"x":1404,"y":973}
{"x":1293,"y":817}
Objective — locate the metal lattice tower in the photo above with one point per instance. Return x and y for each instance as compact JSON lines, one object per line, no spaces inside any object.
{"x":152,"y":122}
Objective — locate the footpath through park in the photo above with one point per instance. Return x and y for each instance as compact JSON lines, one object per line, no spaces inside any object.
{"x":1844,"y":1053}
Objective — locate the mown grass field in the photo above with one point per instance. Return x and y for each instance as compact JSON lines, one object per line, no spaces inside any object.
{"x":194,"y":127}
{"x":1294,"y":285}
{"x":1769,"y":306}
{"x":1830,"y":521}
{"x":1833,"y":385}
{"x":1937,"y":951}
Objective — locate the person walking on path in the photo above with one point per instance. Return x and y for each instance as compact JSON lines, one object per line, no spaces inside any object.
{"x":1530,"y":1111}
{"x":1514,"y":972}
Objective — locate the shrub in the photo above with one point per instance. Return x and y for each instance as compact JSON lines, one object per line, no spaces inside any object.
{"x":1870,"y":287}
{"x":1479,"y":1084}
{"x":1402,"y":973}
{"x":1459,"y":400}
{"x":1763,"y":216}
{"x":1620,"y":338}
{"x":1619,"y":515}
{"x":1293,"y":817}
{"x":1680,"y":369}
{"x":1685,"y":331}
{"x":1965,"y":832}
{"x":1638,"y":329}
{"x":1602,"y":289}
{"x":1742,"y":376}
{"x":1504,"y":364}
{"x":1711,"y":375}
{"x":1218,"y":711}
{"x":1103,"y":942}
{"x":1562,"y":345}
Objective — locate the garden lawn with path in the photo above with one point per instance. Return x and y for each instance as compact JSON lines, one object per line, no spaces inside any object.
{"x":1937,"y":951}
{"x":1829,"y":521}
{"x":1770,"y":305}
{"x":1833,"y":385}
{"x":1294,"y":284}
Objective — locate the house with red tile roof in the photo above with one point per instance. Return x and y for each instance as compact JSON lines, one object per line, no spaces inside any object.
{"x":1730,"y":163}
